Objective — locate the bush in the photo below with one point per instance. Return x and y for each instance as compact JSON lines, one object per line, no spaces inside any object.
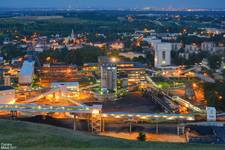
{"x":141,"y":136}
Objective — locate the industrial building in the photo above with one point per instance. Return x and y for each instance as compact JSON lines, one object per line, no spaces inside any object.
{"x":67,"y":88}
{"x":27,"y":72}
{"x":162,"y":54}
{"x":122,"y":75}
{"x":70,"y":86}
{"x":135,"y":72}
{"x":90,"y":67}
{"x":108,"y":78}
{"x":49,"y":73}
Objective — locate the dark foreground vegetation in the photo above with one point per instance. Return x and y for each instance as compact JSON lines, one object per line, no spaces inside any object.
{"x":30,"y":136}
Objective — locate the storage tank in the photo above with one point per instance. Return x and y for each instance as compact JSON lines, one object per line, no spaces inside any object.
{"x":26,"y":72}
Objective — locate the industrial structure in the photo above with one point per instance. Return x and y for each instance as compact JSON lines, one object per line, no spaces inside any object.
{"x":58,"y":73}
{"x":26,"y":72}
{"x":162,"y":54}
{"x":108,"y":78}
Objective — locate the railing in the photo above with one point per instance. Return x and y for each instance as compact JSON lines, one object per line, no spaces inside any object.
{"x":148,"y":116}
{"x":44,"y":108}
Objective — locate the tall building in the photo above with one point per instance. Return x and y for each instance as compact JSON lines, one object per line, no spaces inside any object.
{"x":108,"y":78}
{"x":162,"y":54}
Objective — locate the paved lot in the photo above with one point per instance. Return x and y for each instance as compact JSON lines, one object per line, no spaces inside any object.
{"x":149,"y":137}
{"x":133,"y":103}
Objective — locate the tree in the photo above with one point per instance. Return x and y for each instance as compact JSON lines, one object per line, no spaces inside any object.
{"x":214,"y":61}
{"x":141,"y":136}
{"x":11,"y":51}
{"x":223,"y":73}
{"x":215,"y":94}
{"x":140,"y":59}
{"x":78,"y":56}
{"x":150,"y":59}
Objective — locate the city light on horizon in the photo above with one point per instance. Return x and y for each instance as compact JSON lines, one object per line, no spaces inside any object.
{"x":116,"y":4}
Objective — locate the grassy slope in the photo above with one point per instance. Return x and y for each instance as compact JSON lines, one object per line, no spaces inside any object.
{"x":26,"y":135}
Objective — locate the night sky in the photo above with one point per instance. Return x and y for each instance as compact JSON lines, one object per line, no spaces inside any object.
{"x":112,"y":4}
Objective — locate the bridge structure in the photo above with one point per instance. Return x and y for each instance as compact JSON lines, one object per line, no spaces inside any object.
{"x":88,"y":109}
{"x":52,"y":91}
{"x":188,"y":104}
{"x":88,"y":87}
{"x":44,"y":108}
{"x":174,"y":99}
{"x":195,"y":67}
{"x":93,"y":114}
{"x":205,"y":78}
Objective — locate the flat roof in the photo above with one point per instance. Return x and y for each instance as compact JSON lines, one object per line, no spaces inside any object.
{"x":135,"y":64}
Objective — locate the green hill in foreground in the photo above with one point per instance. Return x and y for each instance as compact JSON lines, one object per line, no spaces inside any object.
{"x":30,"y":136}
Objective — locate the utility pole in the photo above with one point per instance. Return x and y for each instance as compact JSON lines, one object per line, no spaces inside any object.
{"x":74,"y":122}
{"x":157,"y":126}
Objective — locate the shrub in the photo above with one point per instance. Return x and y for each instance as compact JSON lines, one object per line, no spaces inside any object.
{"x":141,"y":136}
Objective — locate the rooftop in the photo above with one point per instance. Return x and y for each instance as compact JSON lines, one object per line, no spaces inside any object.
{"x":130,"y":64}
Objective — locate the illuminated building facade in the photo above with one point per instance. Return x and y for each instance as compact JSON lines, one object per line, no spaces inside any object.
{"x":90,"y":67}
{"x":135,"y":72}
{"x":119,"y":76}
{"x":108,"y":78}
{"x":162,"y":54}
{"x":68,"y":88}
{"x":58,"y":73}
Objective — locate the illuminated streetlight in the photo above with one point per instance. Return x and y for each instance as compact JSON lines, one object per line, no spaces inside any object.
{"x":48,"y":58}
{"x":95,"y":111}
{"x":194,"y":85}
{"x":114,"y":59}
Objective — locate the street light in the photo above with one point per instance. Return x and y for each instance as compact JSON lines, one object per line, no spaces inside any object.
{"x":114,"y":59}
{"x":95,"y":111}
{"x":194,"y":85}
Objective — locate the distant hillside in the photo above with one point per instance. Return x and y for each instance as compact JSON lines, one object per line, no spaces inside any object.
{"x":30,"y":136}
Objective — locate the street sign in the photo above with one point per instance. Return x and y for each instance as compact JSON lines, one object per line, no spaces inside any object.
{"x":211,"y":113}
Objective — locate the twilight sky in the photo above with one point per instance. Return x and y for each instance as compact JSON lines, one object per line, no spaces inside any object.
{"x":112,"y":4}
